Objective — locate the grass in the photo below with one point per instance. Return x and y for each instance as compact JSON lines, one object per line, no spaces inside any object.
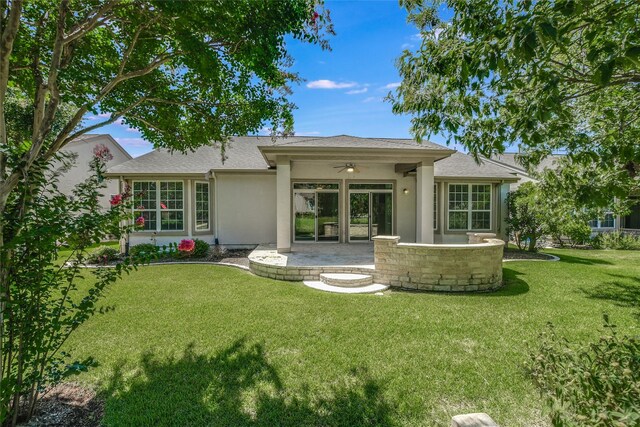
{"x":208,"y":345}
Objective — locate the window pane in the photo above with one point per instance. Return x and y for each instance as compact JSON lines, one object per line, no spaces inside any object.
{"x":144,"y":195}
{"x":144,"y":203}
{"x":480,"y":197}
{"x":171,"y":195}
{"x":171,"y":220}
{"x":202,"y":206}
{"x":481,"y":220}
{"x":458,"y":220}
{"x":608,"y":221}
{"x":458,"y":197}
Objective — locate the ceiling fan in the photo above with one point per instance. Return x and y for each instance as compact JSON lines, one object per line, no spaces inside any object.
{"x":348,"y":167}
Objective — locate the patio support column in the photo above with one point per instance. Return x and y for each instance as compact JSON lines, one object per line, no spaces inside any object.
{"x":424,"y":202}
{"x":283,"y":204}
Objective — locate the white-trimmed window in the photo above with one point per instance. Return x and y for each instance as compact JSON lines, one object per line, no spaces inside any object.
{"x":609,"y":221}
{"x":469,"y":206}
{"x":160,"y":203}
{"x":202,"y":206}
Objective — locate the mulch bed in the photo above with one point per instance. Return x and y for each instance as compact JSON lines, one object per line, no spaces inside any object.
{"x":68,"y":404}
{"x":231,"y":256}
{"x":518,"y":254}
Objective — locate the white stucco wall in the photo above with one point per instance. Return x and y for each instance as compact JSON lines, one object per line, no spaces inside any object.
{"x":246,"y":208}
{"x":80,"y":171}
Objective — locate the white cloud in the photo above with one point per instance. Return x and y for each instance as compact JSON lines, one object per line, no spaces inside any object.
{"x":104,"y":115}
{"x":132,"y":130}
{"x":392,"y":85}
{"x":406,"y":46}
{"x":416,"y":37}
{"x":372,"y":99}
{"x":329,"y":84}
{"x":357,"y":91}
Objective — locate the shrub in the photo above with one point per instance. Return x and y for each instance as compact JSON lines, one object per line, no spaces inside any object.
{"x":201,"y":250}
{"x":596,"y":384}
{"x":192,"y":248}
{"x":103,"y":255}
{"x":616,"y":240}
{"x":525,"y":220}
{"x":143,"y":250}
{"x":578,"y":231}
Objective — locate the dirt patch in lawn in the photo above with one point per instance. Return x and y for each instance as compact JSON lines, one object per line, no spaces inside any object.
{"x":68,"y":404}
{"x":510,"y":253}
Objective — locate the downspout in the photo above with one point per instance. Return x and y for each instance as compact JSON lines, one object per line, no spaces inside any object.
{"x":212,"y":176}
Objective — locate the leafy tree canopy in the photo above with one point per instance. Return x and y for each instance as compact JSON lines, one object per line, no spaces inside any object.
{"x":183,"y":73}
{"x":548,"y":75}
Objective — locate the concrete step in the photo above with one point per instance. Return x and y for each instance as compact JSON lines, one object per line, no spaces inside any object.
{"x":346,"y":280}
{"x":368,"y":289}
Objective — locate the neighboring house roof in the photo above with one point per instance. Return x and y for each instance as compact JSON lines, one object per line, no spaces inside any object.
{"x":511,"y":160}
{"x":460,"y":165}
{"x":244,"y":153}
{"x":97,"y":138}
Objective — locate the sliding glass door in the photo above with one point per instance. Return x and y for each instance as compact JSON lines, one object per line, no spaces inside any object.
{"x":370,"y":211}
{"x":316,"y":212}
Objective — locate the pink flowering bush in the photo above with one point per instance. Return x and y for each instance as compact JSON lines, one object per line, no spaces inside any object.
{"x":140,"y":221}
{"x":186,"y":245}
{"x":116,"y":199}
{"x":101,"y":151}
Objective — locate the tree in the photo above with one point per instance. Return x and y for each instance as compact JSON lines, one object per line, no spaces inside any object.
{"x":548,"y":75}
{"x":183,"y":73}
{"x":525,"y":216}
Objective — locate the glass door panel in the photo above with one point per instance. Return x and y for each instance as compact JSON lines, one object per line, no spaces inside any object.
{"x":305,"y":216}
{"x":328,"y":228}
{"x":358,"y":216}
{"x":381,"y":214}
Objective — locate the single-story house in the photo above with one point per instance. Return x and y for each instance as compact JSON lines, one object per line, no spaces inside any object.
{"x":82,"y":148}
{"x":315,"y":190}
{"x":629,"y":223}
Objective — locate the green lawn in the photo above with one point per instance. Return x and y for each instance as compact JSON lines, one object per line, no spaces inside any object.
{"x":207,"y":345}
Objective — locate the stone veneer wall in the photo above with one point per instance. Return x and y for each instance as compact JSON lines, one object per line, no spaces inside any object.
{"x":451,"y":268}
{"x":296,"y":273}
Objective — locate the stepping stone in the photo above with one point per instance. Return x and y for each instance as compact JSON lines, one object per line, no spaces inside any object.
{"x":368,"y":289}
{"x":346,"y":280}
{"x":479,"y":419}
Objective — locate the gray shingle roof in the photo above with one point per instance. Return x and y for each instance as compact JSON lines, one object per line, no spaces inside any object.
{"x":244,"y":153}
{"x":511,"y":159}
{"x":347,"y":141}
{"x":464,"y":166}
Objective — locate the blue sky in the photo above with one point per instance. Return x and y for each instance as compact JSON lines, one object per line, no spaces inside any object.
{"x":344,"y":88}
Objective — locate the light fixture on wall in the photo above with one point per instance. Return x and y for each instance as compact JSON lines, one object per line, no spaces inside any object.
{"x":405,"y":190}
{"x":348,"y":167}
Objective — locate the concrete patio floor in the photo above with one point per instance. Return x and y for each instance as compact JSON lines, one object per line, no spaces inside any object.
{"x":317,"y":255}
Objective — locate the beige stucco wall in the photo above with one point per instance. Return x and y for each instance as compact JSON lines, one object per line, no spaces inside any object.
{"x":404,"y":204}
{"x":451,"y":268}
{"x":246,"y":208}
{"x":80,"y":171}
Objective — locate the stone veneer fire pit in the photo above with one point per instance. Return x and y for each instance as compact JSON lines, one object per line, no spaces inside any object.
{"x":438,"y":267}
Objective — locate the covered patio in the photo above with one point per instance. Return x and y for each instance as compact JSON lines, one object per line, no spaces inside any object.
{"x":317,"y":255}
